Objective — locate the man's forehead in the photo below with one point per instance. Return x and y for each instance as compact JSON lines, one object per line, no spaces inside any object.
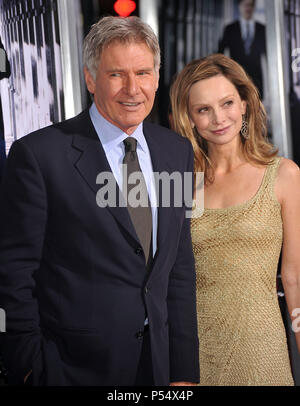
{"x":247,"y":3}
{"x":125,"y":43}
{"x":120,"y":57}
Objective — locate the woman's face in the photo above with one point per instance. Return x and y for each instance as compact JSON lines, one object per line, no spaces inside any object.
{"x":216,"y":109}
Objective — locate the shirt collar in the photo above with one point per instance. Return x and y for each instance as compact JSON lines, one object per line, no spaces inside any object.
{"x":244,"y":22}
{"x":110,"y":135}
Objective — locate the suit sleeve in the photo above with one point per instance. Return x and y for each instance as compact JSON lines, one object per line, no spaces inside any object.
{"x":224,"y":41}
{"x":263,"y":39}
{"x":184,"y":351}
{"x":23,"y":208}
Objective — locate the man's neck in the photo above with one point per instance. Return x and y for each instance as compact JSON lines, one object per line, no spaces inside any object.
{"x":246,"y":20}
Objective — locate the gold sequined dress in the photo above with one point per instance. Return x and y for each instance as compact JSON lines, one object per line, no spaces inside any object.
{"x":242,"y":337}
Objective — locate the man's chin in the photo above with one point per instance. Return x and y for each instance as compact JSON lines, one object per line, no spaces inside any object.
{"x":130,"y":128}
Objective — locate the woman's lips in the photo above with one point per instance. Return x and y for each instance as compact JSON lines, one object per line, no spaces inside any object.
{"x":221,"y":131}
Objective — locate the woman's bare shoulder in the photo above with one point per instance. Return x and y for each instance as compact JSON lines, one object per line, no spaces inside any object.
{"x":288,"y":179}
{"x":288,"y":168}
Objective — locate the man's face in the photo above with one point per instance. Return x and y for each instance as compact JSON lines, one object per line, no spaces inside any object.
{"x":125,"y":84}
{"x":247,"y":9}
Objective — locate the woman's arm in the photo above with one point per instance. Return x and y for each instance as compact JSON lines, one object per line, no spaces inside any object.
{"x":287,"y":190}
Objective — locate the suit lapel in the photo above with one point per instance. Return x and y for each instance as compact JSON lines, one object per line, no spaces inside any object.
{"x":91,"y":162}
{"x":239,"y":39}
{"x":255,"y":40}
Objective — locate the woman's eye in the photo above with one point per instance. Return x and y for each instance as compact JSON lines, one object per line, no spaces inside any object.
{"x":203,"y":110}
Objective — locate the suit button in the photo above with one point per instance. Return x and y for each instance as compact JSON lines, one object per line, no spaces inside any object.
{"x":146,"y":290}
{"x":139,"y":335}
{"x":139,"y":251}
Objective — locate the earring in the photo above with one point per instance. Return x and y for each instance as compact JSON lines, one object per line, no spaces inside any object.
{"x":245,"y":128}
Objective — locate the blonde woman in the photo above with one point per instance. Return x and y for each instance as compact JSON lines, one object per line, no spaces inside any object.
{"x":252,"y":211}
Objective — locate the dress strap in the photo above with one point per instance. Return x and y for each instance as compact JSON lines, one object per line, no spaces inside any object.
{"x":271,"y":176}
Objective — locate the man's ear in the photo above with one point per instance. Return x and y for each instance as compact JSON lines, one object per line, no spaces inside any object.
{"x":157,"y":81}
{"x":90,"y":83}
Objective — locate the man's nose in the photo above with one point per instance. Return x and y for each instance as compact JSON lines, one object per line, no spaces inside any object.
{"x":131,"y":85}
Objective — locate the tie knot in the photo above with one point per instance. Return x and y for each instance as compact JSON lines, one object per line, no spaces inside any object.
{"x":130,"y":144}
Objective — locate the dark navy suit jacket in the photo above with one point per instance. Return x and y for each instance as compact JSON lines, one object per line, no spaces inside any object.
{"x":232,"y":39}
{"x":73,"y":280}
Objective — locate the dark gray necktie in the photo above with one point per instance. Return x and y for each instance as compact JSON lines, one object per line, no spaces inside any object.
{"x":141,"y":217}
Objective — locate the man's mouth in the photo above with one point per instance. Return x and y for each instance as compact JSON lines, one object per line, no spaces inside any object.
{"x":130,"y":104}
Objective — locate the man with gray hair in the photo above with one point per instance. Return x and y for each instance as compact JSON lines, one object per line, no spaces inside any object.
{"x":99,"y":294}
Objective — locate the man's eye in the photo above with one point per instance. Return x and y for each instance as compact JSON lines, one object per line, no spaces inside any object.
{"x":114,"y":75}
{"x":229,"y":103}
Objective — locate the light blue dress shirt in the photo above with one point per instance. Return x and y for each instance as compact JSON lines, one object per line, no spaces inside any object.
{"x":111,"y":138}
{"x":251,"y":24}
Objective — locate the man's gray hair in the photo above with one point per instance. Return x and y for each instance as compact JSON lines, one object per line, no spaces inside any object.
{"x":120,"y":29}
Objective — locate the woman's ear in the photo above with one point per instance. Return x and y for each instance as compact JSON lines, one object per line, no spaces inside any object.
{"x":244,"y":107}
{"x":192,"y":123}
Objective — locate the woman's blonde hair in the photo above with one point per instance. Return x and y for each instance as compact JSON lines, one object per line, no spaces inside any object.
{"x":256,"y":148}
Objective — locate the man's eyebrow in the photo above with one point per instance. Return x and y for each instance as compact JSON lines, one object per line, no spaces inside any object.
{"x":114,"y":70}
{"x":147,"y":69}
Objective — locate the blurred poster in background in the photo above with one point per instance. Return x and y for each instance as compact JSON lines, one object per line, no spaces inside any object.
{"x":189,"y":29}
{"x":292,"y":41}
{"x":292,"y":30}
{"x":193,"y":29}
{"x":32,"y":96}
{"x":244,"y":40}
{"x":4,"y":75}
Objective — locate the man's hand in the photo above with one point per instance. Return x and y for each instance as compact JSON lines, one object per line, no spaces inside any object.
{"x":25,"y":379}
{"x":182,"y":384}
